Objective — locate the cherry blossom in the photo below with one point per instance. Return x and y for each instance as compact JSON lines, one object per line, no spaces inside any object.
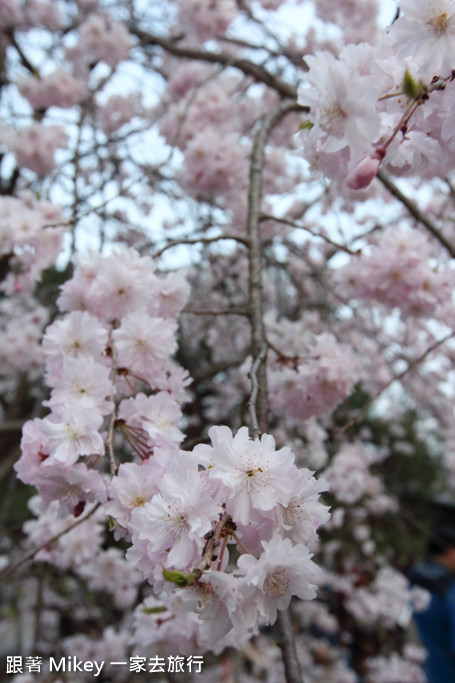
{"x":281,"y":571}
{"x":247,"y":474}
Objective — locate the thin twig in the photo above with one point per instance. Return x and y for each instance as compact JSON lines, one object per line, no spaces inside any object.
{"x":220,"y":311}
{"x":30,"y":555}
{"x":411,"y":365}
{"x":298,"y":226}
{"x":416,"y":213}
{"x":199,"y":240}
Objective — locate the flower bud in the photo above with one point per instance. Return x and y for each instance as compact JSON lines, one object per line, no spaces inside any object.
{"x":363,"y":172}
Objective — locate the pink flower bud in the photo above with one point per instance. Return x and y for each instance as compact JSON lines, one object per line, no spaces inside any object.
{"x":363,"y":172}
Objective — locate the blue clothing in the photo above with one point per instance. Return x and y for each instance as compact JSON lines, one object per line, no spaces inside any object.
{"x":436,"y":624}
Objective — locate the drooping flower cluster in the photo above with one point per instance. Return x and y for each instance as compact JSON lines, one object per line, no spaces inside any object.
{"x":113,"y":385}
{"x":249,"y":496}
{"x":97,"y":353}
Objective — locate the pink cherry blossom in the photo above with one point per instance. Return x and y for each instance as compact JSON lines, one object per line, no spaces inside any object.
{"x":85,"y":383}
{"x":73,"y":434}
{"x":361,"y":175}
{"x":283,"y":570}
{"x":247,"y":474}
{"x":143,"y":343}
{"x":174,"y":522}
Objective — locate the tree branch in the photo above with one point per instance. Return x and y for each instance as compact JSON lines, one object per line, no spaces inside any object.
{"x":417,"y":213}
{"x":411,"y":365}
{"x":259,"y":342}
{"x":30,"y":555}
{"x":255,"y":431}
{"x":299,"y":226}
{"x":199,"y":240}
{"x":249,"y":68}
{"x":255,"y":253}
{"x":221,"y":311}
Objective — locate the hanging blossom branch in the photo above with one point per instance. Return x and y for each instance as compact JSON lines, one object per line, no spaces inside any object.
{"x":258,"y":404}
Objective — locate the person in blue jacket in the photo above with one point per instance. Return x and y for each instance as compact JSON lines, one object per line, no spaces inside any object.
{"x":436,"y":624}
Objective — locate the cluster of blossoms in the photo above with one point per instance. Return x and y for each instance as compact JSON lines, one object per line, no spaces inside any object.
{"x":244,"y":494}
{"x":407,"y":668}
{"x":112,"y":377}
{"x":398,"y":271}
{"x":389,"y":599}
{"x":58,"y":89}
{"x":31,"y":235}
{"x":223,"y":533}
{"x":98,"y":351}
{"x":314,"y":374}
{"x":410,"y":128}
{"x":349,"y":475}
{"x":205,"y":20}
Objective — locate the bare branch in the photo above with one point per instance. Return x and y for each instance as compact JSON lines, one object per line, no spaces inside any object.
{"x":249,"y":68}
{"x":255,"y":431}
{"x":417,"y":213}
{"x":286,"y":644}
{"x":221,"y":311}
{"x":259,"y":342}
{"x":411,"y":365}
{"x":299,"y":226}
{"x":30,"y":555}
{"x":113,"y":416}
{"x":199,"y":240}
{"x":255,"y":253}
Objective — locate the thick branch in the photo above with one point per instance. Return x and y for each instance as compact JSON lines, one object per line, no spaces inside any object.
{"x":255,"y":431}
{"x":417,"y":213}
{"x":287,"y":646}
{"x":255,"y":253}
{"x":259,"y":343}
